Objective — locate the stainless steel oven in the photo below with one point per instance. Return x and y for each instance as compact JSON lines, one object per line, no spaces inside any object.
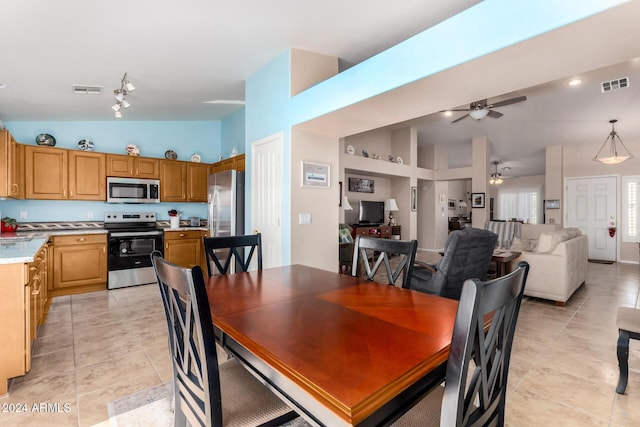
{"x":132,"y":237}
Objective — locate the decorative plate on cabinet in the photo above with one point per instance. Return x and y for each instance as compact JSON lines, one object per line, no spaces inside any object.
{"x":86,"y":145}
{"x":400,"y":161}
{"x":351,"y":150}
{"x":171,"y":155}
{"x":133,"y":150}
{"x":196,"y":158}
{"x":45,"y":139}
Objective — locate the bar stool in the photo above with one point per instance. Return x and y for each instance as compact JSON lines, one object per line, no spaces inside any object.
{"x":628,"y":323}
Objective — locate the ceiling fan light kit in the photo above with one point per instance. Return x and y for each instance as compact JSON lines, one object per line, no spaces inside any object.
{"x":496,"y":177}
{"x":617,"y":153}
{"x":478,"y":110}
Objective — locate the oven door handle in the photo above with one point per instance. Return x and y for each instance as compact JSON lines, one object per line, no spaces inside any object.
{"x":136,"y":233}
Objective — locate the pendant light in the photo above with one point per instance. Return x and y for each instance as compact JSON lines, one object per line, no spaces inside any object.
{"x":614,"y":156}
{"x":496,"y":178}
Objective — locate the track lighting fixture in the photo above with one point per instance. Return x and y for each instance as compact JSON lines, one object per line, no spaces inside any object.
{"x":125,"y":87}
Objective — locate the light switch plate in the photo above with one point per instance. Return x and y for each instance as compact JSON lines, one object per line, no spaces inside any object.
{"x":304,"y":218}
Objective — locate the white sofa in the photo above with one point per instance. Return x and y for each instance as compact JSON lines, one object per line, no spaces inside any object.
{"x":558,"y":259}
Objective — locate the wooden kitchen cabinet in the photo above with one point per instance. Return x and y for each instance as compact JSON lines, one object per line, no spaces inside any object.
{"x":22,"y":300}
{"x":87,"y":177}
{"x":235,"y":162}
{"x":197,"y":175}
{"x":79,"y":264}
{"x":11,"y":176}
{"x":133,"y":166}
{"x":58,"y":174}
{"x":46,"y":173}
{"x":185,"y":248}
{"x":173,"y":181}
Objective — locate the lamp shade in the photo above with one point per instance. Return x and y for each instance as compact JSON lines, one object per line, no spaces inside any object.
{"x":617,"y":151}
{"x":462,"y":204}
{"x":345,"y":204}
{"x":391,"y":205}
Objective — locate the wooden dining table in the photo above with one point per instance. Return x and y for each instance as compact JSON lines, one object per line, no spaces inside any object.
{"x":341,"y":350}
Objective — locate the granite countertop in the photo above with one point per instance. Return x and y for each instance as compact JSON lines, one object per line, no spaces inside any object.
{"x":185,"y":229}
{"x":21,"y":247}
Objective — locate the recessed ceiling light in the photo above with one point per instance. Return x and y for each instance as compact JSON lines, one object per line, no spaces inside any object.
{"x":225,"y":101}
{"x":575,"y":82}
{"x":448,"y":113}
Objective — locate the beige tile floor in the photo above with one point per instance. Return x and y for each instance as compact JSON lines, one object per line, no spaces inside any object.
{"x":102,"y":346}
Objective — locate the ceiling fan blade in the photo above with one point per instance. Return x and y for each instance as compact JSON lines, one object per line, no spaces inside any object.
{"x":461,"y":109}
{"x":495,"y":114}
{"x":460,"y":118}
{"x":508,"y":101}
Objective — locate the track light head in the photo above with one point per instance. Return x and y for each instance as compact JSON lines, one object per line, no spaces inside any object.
{"x":118,"y":115}
{"x":119,"y":95}
{"x":125,"y":104}
{"x":116,"y":106}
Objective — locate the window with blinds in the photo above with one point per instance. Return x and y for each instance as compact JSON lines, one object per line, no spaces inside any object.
{"x":630,"y":208}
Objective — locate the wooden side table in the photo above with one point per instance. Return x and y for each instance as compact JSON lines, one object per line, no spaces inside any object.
{"x":503,"y":261}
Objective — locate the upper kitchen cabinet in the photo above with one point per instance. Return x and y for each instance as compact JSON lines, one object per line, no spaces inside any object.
{"x":132,"y":166}
{"x":173,"y":181}
{"x":11,"y":180}
{"x":235,"y":162}
{"x":197,"y":175}
{"x":87,"y":178}
{"x":58,"y":174}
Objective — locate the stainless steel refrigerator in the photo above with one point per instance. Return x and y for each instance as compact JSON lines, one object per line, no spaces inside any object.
{"x":226,"y":205}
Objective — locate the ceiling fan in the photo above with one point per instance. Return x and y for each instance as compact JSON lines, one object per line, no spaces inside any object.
{"x":478,"y":110}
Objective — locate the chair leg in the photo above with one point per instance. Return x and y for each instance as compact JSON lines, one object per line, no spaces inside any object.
{"x":179,"y":418}
{"x":623,"y":360}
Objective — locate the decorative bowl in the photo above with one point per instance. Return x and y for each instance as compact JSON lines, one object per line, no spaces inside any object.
{"x":171,"y":155}
{"x":45,"y":139}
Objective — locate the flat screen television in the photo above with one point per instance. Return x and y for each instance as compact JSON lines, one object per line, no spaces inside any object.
{"x":371,"y":213}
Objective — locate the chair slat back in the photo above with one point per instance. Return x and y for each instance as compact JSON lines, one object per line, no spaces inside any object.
{"x":364,"y":246}
{"x":221,"y":251}
{"x":191,"y":343}
{"x":475,"y":393}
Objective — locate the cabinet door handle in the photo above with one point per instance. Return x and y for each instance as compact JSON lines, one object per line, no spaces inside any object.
{"x":166,"y":246}
{"x":64,"y":193}
{"x":82,"y":239}
{"x":181,"y":234}
{"x":16,"y":191}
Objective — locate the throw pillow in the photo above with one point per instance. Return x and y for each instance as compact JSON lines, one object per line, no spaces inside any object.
{"x":548,"y":241}
{"x":521,"y":245}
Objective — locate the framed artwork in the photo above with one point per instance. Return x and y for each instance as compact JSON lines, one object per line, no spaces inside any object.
{"x":477,"y":200}
{"x":315,"y":175}
{"x":552,"y":204}
{"x":361,"y":185}
{"x":452,"y":204}
{"x":414,"y":198}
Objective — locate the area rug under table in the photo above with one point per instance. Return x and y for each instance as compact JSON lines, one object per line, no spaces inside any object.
{"x":153,"y":407}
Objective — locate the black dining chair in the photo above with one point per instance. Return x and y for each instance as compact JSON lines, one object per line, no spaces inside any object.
{"x":379,"y":252}
{"x":207,"y":393}
{"x":228,"y":249}
{"x":475,"y":388}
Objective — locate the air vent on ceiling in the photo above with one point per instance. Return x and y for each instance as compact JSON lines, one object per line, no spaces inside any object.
{"x":86,"y":89}
{"x":615,"y":84}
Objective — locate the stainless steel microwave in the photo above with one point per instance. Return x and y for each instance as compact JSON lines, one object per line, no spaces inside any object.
{"x":132,"y":190}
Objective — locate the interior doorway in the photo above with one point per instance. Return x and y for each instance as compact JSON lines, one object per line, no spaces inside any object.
{"x":592,"y":207}
{"x":266,"y":196}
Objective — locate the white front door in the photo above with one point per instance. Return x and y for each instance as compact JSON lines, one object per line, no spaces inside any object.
{"x":592,"y":207}
{"x":266,"y":196}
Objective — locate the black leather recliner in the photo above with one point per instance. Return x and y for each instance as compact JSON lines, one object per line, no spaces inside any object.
{"x":467,"y":255}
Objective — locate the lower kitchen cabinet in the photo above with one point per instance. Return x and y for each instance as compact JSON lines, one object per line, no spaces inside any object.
{"x":22,"y":301}
{"x":185,"y":248}
{"x":79,"y":264}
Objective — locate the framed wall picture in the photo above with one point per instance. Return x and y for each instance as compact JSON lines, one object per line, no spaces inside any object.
{"x":552,"y":204}
{"x":477,"y":200}
{"x":361,"y":185}
{"x":315,"y":175}
{"x":452,"y":204}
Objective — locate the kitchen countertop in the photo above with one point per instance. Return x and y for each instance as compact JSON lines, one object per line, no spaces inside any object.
{"x":21,"y":247}
{"x":186,"y":229}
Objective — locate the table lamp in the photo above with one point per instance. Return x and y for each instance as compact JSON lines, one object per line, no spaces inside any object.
{"x":462,"y":206}
{"x":391,"y":206}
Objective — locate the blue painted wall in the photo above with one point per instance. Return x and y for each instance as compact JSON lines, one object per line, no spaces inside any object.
{"x":233,"y":133}
{"x":153,"y":138}
{"x":267,"y":112}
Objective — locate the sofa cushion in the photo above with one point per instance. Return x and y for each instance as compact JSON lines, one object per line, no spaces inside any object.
{"x":506,"y":231}
{"x":523,"y":245}
{"x":548,"y":241}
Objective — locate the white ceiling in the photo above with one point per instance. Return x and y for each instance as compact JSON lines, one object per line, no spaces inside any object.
{"x":182,"y":54}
